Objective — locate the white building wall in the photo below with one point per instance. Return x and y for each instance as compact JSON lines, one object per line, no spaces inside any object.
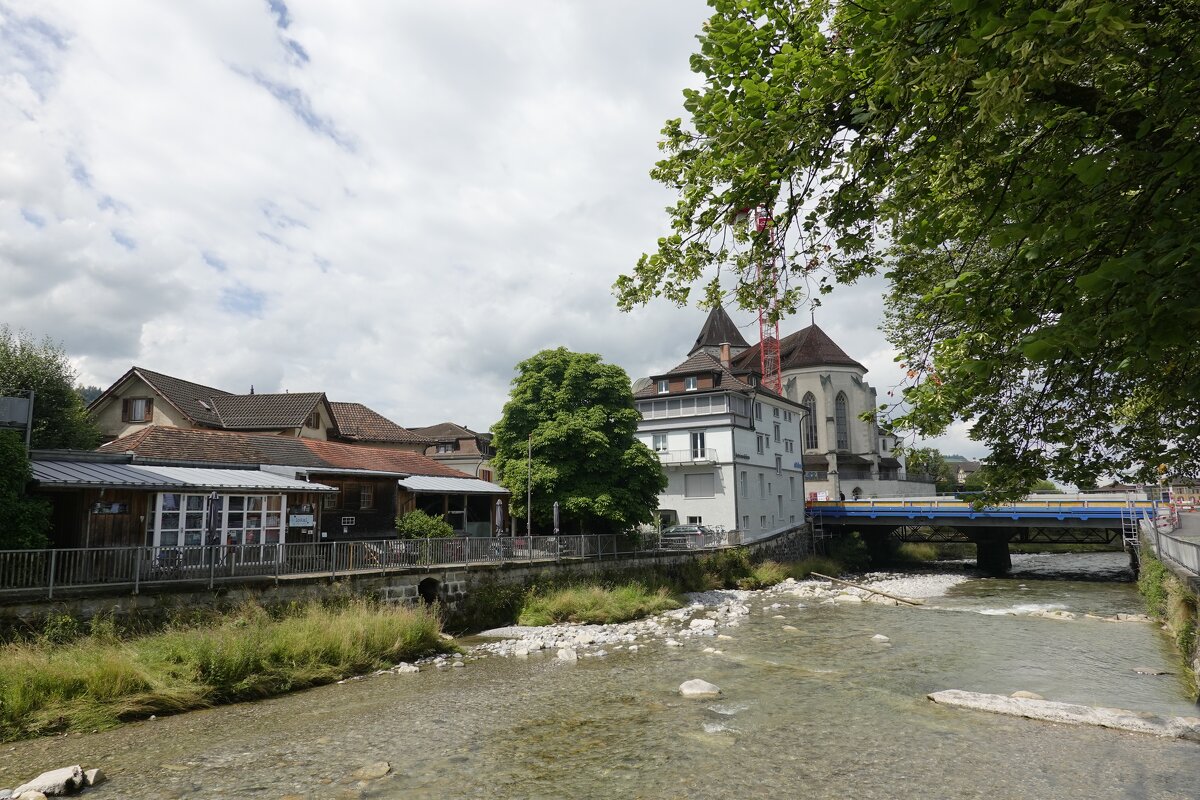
{"x":780,"y":499}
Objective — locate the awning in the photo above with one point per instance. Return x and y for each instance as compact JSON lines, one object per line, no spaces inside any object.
{"x":100,"y":475}
{"x":433,"y":484}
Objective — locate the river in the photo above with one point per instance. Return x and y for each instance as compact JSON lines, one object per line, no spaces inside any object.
{"x":820,"y":710}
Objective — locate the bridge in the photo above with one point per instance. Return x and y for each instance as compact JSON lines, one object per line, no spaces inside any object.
{"x":1058,"y":519}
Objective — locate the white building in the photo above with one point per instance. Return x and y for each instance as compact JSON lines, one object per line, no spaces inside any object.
{"x":730,"y":447}
{"x":841,"y":453}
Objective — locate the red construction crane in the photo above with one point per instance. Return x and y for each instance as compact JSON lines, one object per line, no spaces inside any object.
{"x":767,"y":274}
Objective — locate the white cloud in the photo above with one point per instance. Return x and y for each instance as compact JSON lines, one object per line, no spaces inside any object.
{"x":390,"y":202}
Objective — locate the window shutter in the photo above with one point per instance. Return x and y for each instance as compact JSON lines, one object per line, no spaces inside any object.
{"x":125,"y":410}
{"x":149,"y":416}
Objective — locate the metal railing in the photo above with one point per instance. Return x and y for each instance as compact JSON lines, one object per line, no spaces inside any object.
{"x":1170,"y":548}
{"x":696,"y":455}
{"x":45,"y":572}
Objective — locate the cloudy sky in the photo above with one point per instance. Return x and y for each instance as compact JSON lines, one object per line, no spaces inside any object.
{"x":390,"y":202}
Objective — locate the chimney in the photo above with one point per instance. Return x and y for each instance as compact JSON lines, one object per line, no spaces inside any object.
{"x":725,"y":354}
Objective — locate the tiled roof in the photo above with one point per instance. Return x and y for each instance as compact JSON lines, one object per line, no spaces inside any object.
{"x":256,"y":412}
{"x":352,"y":456}
{"x":194,"y":400}
{"x":808,"y":347}
{"x":155,"y":443}
{"x":718,"y":329}
{"x":446,"y":430}
{"x":356,"y":421}
{"x":697,"y":363}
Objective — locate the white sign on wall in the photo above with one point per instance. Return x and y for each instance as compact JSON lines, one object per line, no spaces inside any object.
{"x":302,"y":520}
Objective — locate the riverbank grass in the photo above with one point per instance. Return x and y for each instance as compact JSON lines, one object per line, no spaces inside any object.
{"x":1171,"y":602}
{"x":100,"y":680}
{"x":593,"y":604}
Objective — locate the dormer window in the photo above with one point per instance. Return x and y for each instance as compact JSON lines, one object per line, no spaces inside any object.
{"x":689,"y":383}
{"x":314,"y":420}
{"x":664,"y":386}
{"x":137,"y":409}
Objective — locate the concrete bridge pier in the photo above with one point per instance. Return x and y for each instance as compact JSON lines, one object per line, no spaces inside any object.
{"x":991,"y":550}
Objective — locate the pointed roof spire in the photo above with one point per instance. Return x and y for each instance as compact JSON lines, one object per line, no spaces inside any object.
{"x":718,"y":329}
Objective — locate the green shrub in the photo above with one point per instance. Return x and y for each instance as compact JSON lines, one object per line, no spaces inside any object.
{"x":1152,"y":583}
{"x":764,"y":575}
{"x":724,"y":568}
{"x":60,"y":628}
{"x":851,"y":552}
{"x":419,"y":525}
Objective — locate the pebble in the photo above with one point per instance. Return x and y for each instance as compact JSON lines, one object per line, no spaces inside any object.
{"x":372,"y":771}
{"x":879,"y":637}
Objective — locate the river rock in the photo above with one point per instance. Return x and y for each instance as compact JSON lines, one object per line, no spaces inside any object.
{"x":847,"y":598}
{"x":372,"y":771}
{"x":1024,"y":695}
{"x":567,"y":654}
{"x":790,"y":628}
{"x":54,"y":783}
{"x":407,"y":669}
{"x":698,"y":688}
{"x":1151,"y":671}
{"x":94,"y":777}
{"x":702,"y":624}
{"x":1073,"y":714}
{"x":30,"y":796}
{"x":879,"y":637}
{"x":673,"y":643}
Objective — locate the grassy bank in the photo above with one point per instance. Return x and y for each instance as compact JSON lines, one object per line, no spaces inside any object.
{"x":101,"y":679}
{"x":1170,"y":601}
{"x":622,"y":596}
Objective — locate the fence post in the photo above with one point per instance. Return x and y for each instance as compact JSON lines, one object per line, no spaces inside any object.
{"x":50,"y":588}
{"x":333,"y":561}
{"x":278,"y":558}
{"x":137,"y":568}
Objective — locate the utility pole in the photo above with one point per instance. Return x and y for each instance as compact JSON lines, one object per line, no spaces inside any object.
{"x":529,"y":487}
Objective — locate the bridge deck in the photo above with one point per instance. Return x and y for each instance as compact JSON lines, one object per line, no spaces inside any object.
{"x":926,"y":511}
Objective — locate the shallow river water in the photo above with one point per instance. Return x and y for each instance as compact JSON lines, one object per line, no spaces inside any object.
{"x":822,"y":711}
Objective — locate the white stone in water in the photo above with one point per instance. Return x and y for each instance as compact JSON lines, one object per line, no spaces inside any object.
{"x":709,"y":650}
{"x":633,"y":648}
{"x":457,"y":664}
{"x":1024,"y":695}
{"x":790,"y":628}
{"x":567,"y":654}
{"x":847,"y":598}
{"x":779,"y":616}
{"x":1073,"y":714}
{"x":723,"y":636}
{"x":698,"y":688}
{"x":56,"y":782}
{"x":702,"y":624}
{"x":672,"y":643}
{"x":879,"y":637}
{"x":521,"y":652}
{"x":407,"y":669}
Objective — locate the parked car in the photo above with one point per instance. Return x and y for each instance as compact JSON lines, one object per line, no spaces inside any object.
{"x":681,"y":537}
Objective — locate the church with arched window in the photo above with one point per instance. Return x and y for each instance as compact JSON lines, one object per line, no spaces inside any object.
{"x":842,"y":454}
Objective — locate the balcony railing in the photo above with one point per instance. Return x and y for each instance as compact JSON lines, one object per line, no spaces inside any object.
{"x":697,"y":455}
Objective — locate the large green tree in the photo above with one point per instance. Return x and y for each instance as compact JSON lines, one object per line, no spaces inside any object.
{"x":580,"y":414}
{"x":1027,"y":174}
{"x":929,"y":462}
{"x":59,"y":416}
{"x":24,"y":520}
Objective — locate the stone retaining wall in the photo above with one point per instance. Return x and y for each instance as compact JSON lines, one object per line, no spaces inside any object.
{"x":449,"y":585}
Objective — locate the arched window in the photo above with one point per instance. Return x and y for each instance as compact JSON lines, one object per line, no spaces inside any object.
{"x":841,"y":421}
{"x":810,"y":421}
